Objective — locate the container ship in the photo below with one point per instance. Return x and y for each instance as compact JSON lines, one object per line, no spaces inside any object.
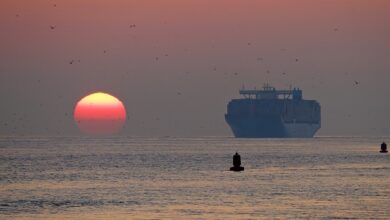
{"x":271,"y":113}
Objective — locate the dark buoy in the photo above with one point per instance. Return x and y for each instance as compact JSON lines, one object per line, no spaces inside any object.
{"x":383,"y":148}
{"x":236,"y":163}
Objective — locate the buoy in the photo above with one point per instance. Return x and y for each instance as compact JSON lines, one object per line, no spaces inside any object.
{"x":236,"y":163}
{"x":383,"y":148}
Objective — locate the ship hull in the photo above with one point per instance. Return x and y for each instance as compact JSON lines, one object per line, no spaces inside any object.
{"x":270,"y":127}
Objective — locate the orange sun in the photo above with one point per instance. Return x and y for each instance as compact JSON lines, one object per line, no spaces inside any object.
{"x":100,"y":114}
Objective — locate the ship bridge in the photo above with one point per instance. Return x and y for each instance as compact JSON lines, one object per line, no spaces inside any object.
{"x":269,"y":92}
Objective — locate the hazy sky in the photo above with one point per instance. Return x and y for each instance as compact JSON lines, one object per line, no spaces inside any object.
{"x":175,"y":64}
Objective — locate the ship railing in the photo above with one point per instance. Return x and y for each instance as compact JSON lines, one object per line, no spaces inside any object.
{"x":267,"y":94}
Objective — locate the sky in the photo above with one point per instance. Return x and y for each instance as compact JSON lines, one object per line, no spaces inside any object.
{"x":175,"y":64}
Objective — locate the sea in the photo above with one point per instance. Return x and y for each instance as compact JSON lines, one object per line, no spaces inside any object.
{"x":189,"y":178}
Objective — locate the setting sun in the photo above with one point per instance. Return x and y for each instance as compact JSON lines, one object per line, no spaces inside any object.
{"x":99,"y":114}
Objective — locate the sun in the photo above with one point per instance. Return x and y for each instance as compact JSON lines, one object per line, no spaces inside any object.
{"x":100,"y":114}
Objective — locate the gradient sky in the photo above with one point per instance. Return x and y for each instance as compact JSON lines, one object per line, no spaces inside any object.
{"x":175,"y":64}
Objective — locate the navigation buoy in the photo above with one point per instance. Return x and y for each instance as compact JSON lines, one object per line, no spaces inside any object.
{"x":236,"y":163}
{"x":383,"y":148}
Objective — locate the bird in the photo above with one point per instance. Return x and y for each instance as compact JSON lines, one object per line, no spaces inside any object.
{"x":52,"y":27}
{"x":356,"y":82}
{"x":296,"y":59}
{"x":133,"y":26}
{"x":71,"y":62}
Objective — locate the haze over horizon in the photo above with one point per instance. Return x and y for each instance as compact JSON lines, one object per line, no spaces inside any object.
{"x":176,"y":64}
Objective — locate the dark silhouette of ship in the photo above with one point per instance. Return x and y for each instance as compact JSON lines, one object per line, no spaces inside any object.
{"x":271,"y":113}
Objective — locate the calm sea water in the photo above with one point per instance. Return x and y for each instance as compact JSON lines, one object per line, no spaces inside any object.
{"x":178,"y":178}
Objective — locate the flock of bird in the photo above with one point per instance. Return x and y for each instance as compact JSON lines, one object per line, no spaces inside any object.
{"x":179,"y":93}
